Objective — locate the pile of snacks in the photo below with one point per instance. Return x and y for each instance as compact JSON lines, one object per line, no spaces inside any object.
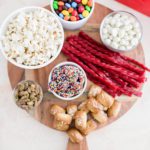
{"x":67,"y":81}
{"x":121,"y":31}
{"x":75,"y":119}
{"x":32,"y":38}
{"x":72,"y":10}
{"x":28,"y":94}
{"x":115,"y":73}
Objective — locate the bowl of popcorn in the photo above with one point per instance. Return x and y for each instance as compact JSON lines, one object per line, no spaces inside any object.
{"x":67,"y":81}
{"x":28,"y":95}
{"x":31,"y":37}
{"x":72,"y":14}
{"x":121,"y":31}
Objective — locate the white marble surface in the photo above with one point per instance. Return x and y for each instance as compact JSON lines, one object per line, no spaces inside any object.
{"x":19,"y":131}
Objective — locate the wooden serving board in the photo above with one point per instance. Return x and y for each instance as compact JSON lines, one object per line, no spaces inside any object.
{"x":41,"y":76}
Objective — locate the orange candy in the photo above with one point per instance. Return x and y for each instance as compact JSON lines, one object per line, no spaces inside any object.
{"x":89,"y":3}
{"x":66,"y":18}
{"x":73,"y":18}
{"x":70,"y":10}
{"x":60,"y":3}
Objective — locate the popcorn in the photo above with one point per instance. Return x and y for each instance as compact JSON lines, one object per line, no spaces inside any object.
{"x":32,"y":38}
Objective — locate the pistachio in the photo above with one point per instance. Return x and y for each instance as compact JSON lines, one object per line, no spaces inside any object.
{"x":21,"y":87}
{"x":27,"y":95}
{"x":33,"y":87}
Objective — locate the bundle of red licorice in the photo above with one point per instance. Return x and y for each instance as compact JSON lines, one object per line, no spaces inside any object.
{"x":115,"y":73}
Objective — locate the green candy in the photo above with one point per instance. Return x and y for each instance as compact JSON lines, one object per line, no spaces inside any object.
{"x":55,"y":2}
{"x":88,"y":8}
{"x":55,"y":6}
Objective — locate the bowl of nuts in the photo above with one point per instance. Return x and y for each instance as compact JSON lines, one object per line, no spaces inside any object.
{"x":28,"y":95}
{"x":31,"y":37}
{"x":121,"y":31}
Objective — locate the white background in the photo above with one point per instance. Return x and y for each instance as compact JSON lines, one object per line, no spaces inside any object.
{"x":18,"y":131}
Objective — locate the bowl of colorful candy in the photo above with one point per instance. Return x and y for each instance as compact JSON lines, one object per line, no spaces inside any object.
{"x":67,"y":81}
{"x":73,"y":14}
{"x":121,"y":31}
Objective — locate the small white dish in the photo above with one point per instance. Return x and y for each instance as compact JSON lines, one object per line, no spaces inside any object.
{"x":39,"y":88}
{"x":6,"y":22}
{"x":72,"y":64}
{"x":69,"y":25}
{"x":112,"y":14}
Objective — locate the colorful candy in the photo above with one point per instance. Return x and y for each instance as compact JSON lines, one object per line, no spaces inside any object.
{"x":65,"y":13}
{"x":85,"y":13}
{"x":60,"y":3}
{"x":61,"y":15}
{"x":72,"y":10}
{"x":67,"y":81}
{"x":81,"y":9}
{"x":84,"y":2}
{"x":89,"y":3}
{"x":55,"y":6}
{"x":68,"y":5}
{"x":78,"y":1}
{"x":88,"y":8}
{"x":73,"y":18}
{"x":66,"y":18}
{"x":74,"y":13}
{"x":74,"y":4}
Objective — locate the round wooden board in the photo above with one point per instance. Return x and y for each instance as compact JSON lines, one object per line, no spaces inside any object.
{"x":41,"y":76}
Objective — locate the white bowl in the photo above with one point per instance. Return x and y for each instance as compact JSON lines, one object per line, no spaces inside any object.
{"x":40,"y":88}
{"x":85,"y":84}
{"x":111,"y":14}
{"x":73,"y":25}
{"x":3,"y":28}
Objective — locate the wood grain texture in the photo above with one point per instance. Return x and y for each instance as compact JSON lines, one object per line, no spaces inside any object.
{"x":41,"y":76}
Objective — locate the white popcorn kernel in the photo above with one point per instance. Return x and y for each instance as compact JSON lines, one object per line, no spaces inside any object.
{"x":118,"y":24}
{"x":105,"y":30}
{"x":116,"y":39}
{"x":117,"y":16}
{"x":112,"y":22}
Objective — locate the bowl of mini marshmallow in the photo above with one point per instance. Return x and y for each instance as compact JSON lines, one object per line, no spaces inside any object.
{"x":120,"y":31}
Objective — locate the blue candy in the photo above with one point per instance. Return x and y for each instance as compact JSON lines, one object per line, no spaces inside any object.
{"x":81,"y":17}
{"x":68,"y":5}
{"x":74,"y":4}
{"x":61,"y":15}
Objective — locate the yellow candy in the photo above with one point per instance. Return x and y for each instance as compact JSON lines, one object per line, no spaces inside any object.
{"x":65,"y":13}
{"x":85,"y":13}
{"x":84,"y":2}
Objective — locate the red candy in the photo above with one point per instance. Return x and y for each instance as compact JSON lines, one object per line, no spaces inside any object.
{"x":60,"y":8}
{"x":78,"y":18}
{"x":74,"y":13}
{"x":81,"y":9}
{"x":78,"y":1}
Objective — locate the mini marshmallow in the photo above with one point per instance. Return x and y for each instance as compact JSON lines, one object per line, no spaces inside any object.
{"x":121,"y":31}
